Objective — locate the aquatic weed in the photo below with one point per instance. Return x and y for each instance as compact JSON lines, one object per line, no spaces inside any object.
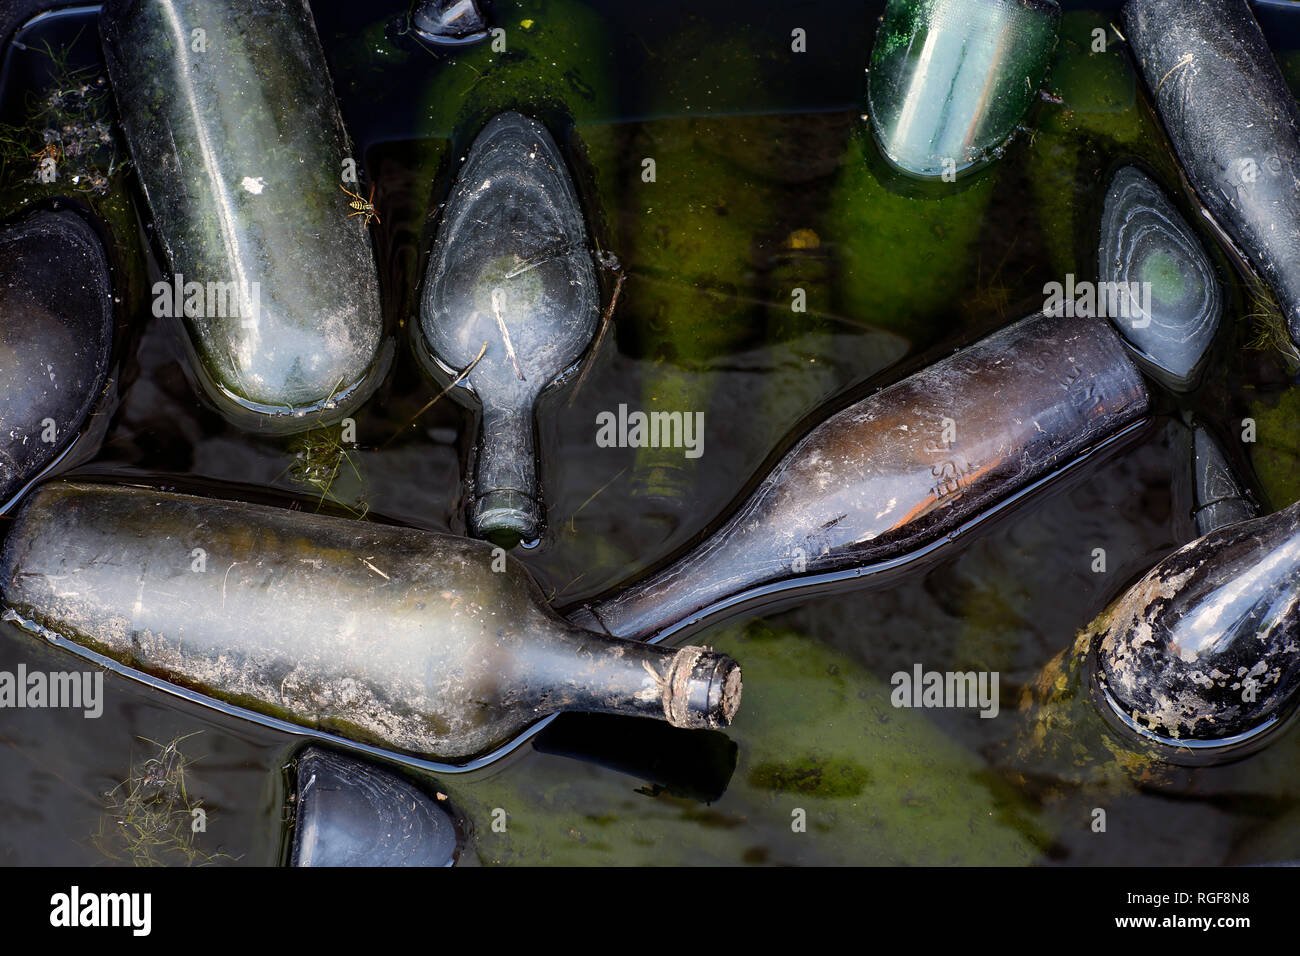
{"x":1268,"y":324}
{"x":320,"y":456}
{"x":151,"y":817}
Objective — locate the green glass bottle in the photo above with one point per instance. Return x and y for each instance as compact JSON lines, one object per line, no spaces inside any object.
{"x":950,"y":80}
{"x":238,"y":142}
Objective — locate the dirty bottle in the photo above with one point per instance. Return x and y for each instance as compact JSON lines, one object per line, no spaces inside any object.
{"x":902,"y":468}
{"x":1234,"y":126}
{"x":1196,"y":664}
{"x":239,"y":145}
{"x":401,"y":639}
{"x":509,"y":307}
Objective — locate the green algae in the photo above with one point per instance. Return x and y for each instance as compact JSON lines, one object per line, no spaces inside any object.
{"x":902,"y":261}
{"x":1062,"y":739}
{"x":556,"y":67}
{"x":1099,"y":118}
{"x":872,"y":784}
{"x":1275,"y":453}
{"x":691,"y":272}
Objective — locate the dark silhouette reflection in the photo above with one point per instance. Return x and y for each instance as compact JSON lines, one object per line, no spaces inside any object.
{"x":695,"y":764}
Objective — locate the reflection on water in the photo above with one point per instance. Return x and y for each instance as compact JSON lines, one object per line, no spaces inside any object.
{"x":825,"y":769}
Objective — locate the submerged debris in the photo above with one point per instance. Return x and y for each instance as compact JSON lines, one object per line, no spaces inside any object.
{"x":320,"y":457}
{"x":151,"y":818}
{"x":68,"y":140}
{"x":449,"y":22}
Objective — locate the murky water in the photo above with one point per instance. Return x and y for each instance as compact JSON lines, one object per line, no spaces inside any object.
{"x":765,"y":183}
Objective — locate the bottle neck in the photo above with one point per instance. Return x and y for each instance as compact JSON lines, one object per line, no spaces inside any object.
{"x":579,"y":670}
{"x":716,"y":570}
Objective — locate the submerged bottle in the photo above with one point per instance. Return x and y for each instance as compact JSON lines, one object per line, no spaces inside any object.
{"x":239,"y":145}
{"x":1207,"y":494}
{"x":351,"y":813}
{"x":449,"y":22}
{"x":1198,"y":663}
{"x":1234,"y":125}
{"x":397,"y":638}
{"x":1203,"y":654}
{"x":56,"y":336}
{"x":511,"y":304}
{"x":903,"y":467}
{"x":951,"y":80}
{"x":1169,"y":300}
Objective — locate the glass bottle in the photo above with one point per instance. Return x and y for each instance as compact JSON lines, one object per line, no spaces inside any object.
{"x":903,"y":467}
{"x":56,"y":295}
{"x":1234,"y":126}
{"x":951,"y":80}
{"x":397,"y":638}
{"x":510,"y":305}
{"x":238,"y":142}
{"x":1197,"y":663}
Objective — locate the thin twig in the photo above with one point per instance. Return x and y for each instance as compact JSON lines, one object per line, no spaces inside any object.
{"x":600,"y":337}
{"x":454,"y":382}
{"x":1181,"y":63}
{"x":574,"y":528}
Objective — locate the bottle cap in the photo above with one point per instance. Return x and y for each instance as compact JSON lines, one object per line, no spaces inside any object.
{"x":702,"y":689}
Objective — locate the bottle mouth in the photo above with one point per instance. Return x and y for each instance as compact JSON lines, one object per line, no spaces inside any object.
{"x":702,"y":689}
{"x":505,"y":518}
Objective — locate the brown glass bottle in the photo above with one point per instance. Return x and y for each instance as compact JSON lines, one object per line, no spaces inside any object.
{"x":397,"y":638}
{"x":903,"y":467}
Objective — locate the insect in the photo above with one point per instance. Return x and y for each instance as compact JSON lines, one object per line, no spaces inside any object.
{"x":363,"y":207}
{"x":52,"y":151}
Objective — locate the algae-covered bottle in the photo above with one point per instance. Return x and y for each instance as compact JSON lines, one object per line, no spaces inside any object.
{"x":902,"y":468}
{"x":397,"y":638}
{"x":238,"y":142}
{"x":1197,"y":663}
{"x":509,"y":307}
